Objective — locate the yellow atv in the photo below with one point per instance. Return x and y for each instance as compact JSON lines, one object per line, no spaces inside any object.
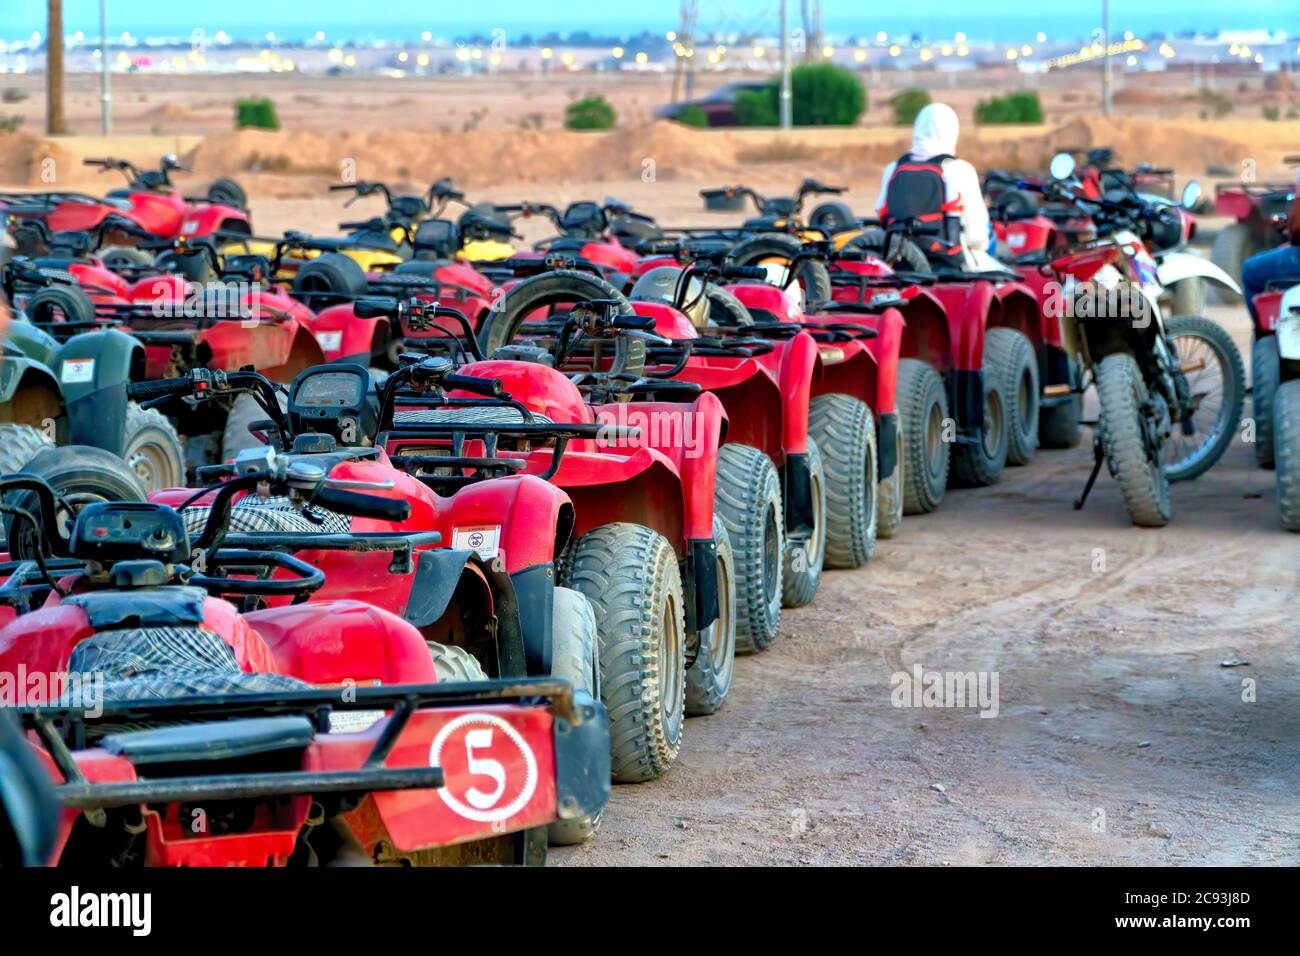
{"x":830,"y":220}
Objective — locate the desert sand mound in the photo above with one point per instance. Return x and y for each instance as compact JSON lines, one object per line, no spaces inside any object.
{"x":287,"y":164}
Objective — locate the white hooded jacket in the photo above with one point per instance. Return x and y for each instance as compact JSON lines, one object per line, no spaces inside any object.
{"x":935,"y":134}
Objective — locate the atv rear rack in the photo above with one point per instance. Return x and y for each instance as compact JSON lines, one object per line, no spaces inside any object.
{"x":55,"y":726}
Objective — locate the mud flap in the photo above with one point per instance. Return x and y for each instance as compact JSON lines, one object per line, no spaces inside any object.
{"x":438,"y":572}
{"x":98,"y":418}
{"x":535,"y":589}
{"x":582,"y":762}
{"x":700,"y":577}
{"x":1057,"y":369}
{"x":966,"y":399}
{"x":796,"y":488}
{"x":93,"y":371}
{"x":886,"y":445}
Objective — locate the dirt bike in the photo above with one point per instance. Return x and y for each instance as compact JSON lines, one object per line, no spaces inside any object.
{"x":1157,"y":380}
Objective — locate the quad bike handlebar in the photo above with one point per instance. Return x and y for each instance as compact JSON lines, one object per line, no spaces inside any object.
{"x":420,"y":316}
{"x":205,"y":384}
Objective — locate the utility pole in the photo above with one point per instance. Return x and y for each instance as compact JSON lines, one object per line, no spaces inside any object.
{"x":105,"y":95}
{"x":811,"y":14}
{"x":684,"y":66}
{"x":1105,"y":61}
{"x":54,"y":124}
{"x":786,"y":99}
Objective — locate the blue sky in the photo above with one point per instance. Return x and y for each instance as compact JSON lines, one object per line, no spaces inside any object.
{"x":992,"y":19}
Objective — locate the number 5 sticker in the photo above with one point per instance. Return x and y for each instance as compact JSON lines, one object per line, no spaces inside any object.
{"x":474,"y":749}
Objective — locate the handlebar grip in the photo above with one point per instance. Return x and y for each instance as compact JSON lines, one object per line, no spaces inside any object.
{"x":487,"y":387}
{"x":744,"y":272}
{"x":159,"y":388}
{"x":341,"y":187}
{"x":374,"y":308}
{"x":362,"y":505}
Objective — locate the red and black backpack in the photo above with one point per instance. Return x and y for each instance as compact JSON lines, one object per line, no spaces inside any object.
{"x":916,"y":203}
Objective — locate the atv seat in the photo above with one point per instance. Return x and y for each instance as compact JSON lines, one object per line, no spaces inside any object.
{"x":155,"y":663}
{"x":468,"y":415}
{"x":253,"y":515}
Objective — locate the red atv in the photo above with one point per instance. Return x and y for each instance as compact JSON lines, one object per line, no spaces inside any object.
{"x":1275,"y":370}
{"x":645,"y":549}
{"x":224,"y":315}
{"x":1276,"y":391}
{"x":465,"y":505}
{"x":971,"y":343}
{"x":149,"y":202}
{"x":764,"y":386}
{"x":323,"y":274}
{"x":1254,"y":206}
{"x":858,"y":358}
{"x":180,"y":731}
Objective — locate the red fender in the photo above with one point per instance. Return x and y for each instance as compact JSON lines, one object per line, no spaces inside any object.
{"x":610,"y":255}
{"x":535,"y":517}
{"x":160,"y":213}
{"x":751,"y":398}
{"x":798,"y":364}
{"x":1269,"y":307}
{"x":99,"y":283}
{"x":653,"y":262}
{"x":968,"y":305}
{"x":341,"y":334}
{"x":542,"y":389}
{"x":206,"y":218}
{"x":330,"y":642}
{"x":669,"y":322}
{"x":1042,"y":285}
{"x":926,"y":335}
{"x":766,"y":302}
{"x":641,"y":488}
{"x":689,"y":436}
{"x":1015,"y":306}
{"x":83,"y":217}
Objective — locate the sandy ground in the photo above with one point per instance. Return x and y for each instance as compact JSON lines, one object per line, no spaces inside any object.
{"x":1121,"y":738}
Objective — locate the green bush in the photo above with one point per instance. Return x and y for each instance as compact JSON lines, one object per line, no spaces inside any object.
{"x":692,"y":115}
{"x":1214,"y":105}
{"x":593,"y":112}
{"x":907,"y":104}
{"x":255,"y":113}
{"x":822,"y":94}
{"x":1014,"y":108}
{"x":758,"y":107}
{"x":1272,"y":113}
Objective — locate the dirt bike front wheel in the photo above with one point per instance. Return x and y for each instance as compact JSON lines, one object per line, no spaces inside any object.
{"x":1211,"y":365}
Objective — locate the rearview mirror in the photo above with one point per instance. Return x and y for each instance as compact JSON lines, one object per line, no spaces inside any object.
{"x":1191,"y":194}
{"x":1062,"y":166}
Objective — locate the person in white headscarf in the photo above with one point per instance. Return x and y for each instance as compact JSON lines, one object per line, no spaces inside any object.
{"x":934,"y":134}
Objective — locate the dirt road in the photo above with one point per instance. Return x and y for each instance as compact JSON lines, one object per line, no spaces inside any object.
{"x":1120,"y":736}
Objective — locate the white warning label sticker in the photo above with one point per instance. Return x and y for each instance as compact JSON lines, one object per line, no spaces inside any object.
{"x":485,"y":539}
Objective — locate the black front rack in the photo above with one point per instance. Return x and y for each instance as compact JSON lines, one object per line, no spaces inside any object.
{"x":57,"y":726}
